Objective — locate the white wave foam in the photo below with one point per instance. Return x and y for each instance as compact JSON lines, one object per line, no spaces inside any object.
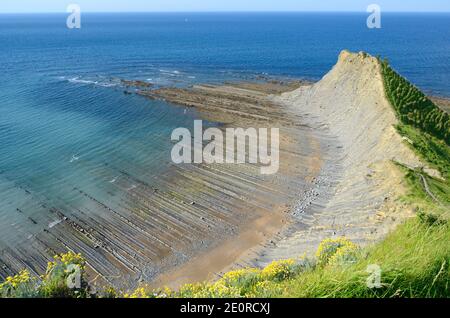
{"x":74,"y":158}
{"x":81,"y":81}
{"x":114,"y":179}
{"x":132,"y":187}
{"x":170,"y":73}
{"x":53,"y":224}
{"x":104,"y":83}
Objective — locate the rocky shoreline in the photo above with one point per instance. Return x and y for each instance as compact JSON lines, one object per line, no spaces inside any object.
{"x":250,"y":104}
{"x":336,"y":178}
{"x":357,"y":189}
{"x":191,"y":212}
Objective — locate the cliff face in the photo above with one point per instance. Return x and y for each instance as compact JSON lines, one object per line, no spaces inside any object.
{"x":349,"y":104}
{"x":351,"y":100}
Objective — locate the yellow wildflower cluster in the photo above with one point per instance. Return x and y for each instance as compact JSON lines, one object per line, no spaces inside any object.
{"x":67,"y":259}
{"x":233,"y":284}
{"x":221,"y":290}
{"x":15,"y":281}
{"x":145,"y":292}
{"x":331,"y":251}
{"x":138,"y":293}
{"x":191,"y":289}
{"x":110,"y":292}
{"x":344,"y":255}
{"x":278,"y":270}
{"x":165,"y":293}
{"x":264,"y":289}
{"x":218,"y":289}
{"x":237,"y":275}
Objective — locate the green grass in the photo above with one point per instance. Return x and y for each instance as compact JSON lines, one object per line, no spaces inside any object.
{"x":413,"y":108}
{"x":428,"y":137}
{"x":414,"y":262}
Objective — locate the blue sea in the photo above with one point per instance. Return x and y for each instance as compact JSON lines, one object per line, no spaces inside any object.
{"x":66,"y":125}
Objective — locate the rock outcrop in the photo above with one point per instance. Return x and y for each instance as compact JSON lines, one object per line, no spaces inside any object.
{"x":349,"y":103}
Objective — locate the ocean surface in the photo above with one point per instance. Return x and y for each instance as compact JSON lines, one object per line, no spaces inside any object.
{"x":66,"y":125}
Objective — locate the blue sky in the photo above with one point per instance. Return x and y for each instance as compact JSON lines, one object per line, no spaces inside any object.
{"x":221,"y":5}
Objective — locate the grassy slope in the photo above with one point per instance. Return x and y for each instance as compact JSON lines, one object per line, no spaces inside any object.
{"x":413,"y":108}
{"x":428,"y":134}
{"x":414,"y":263}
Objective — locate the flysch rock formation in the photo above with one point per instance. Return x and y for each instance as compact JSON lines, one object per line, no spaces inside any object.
{"x":349,"y":103}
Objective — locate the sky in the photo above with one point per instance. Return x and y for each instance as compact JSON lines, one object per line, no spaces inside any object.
{"x":32,"y":6}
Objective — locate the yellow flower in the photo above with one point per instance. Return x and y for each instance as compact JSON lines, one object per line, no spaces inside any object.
{"x":346,"y":254}
{"x":237,"y":275}
{"x":138,"y":293}
{"x":165,"y":293}
{"x":333,"y":249}
{"x":220,"y":290}
{"x":70,"y":258}
{"x":14,"y":281}
{"x":264,"y":289}
{"x":279,"y":270}
{"x":67,"y":259}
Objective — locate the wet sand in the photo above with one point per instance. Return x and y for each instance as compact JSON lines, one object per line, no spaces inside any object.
{"x":210,"y":263}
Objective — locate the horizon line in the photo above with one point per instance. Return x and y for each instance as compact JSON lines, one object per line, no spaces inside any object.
{"x":221,"y":11}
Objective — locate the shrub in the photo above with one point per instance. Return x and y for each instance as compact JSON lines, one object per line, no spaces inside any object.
{"x":279,"y":270}
{"x":139,"y":293}
{"x":64,"y":277}
{"x":345,"y":255}
{"x":145,"y":292}
{"x":19,"y":286}
{"x":109,"y":292}
{"x":333,"y":251}
{"x":191,"y":290}
{"x":265,"y":289}
{"x":211,"y":290}
{"x":430,"y":219}
{"x":243,"y":279}
{"x":413,"y":107}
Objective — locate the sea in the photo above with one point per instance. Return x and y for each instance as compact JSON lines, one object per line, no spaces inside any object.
{"x":66,"y":124}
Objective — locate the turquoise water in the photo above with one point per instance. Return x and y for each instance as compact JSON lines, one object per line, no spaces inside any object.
{"x":66,"y":125}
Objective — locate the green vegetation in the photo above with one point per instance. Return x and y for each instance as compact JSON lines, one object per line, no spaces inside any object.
{"x":414,"y":260}
{"x":413,"y":108}
{"x":64,"y":278}
{"x":427,"y":130}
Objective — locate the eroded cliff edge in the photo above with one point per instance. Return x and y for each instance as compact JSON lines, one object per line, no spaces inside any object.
{"x":365,"y":187}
